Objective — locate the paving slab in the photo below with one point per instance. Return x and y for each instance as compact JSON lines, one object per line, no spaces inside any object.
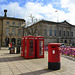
{"x":14,"y":64}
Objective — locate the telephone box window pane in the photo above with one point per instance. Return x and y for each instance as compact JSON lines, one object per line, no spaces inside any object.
{"x":31,"y":48}
{"x":25,"y":48}
{"x":40,"y":48}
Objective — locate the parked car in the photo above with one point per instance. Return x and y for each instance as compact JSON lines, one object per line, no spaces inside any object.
{"x":62,"y":44}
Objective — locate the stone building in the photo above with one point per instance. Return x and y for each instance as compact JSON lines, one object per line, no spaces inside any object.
{"x":10,"y":29}
{"x":53,"y":32}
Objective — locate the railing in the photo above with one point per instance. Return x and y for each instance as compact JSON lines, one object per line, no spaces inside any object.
{"x":69,"y":51}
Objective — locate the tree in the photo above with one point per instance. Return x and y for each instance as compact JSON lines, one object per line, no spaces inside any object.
{"x":31,"y":30}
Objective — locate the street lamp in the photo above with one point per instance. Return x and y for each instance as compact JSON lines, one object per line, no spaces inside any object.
{"x":57,"y":27}
{"x":23,"y":26}
{"x":0,"y":46}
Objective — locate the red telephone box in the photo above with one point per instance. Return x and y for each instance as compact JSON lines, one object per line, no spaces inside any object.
{"x":29,"y":47}
{"x":39,"y":47}
{"x":53,"y":56}
{"x":22,"y":46}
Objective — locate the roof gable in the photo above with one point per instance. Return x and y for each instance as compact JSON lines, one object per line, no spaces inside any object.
{"x":66,"y":23}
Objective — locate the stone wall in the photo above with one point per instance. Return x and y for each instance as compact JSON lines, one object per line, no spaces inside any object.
{"x":42,"y":25}
{"x":10,"y":26}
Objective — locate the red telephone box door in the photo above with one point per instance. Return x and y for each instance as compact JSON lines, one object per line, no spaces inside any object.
{"x":31,"y":51}
{"x":39,"y":43}
{"x":29,"y":47}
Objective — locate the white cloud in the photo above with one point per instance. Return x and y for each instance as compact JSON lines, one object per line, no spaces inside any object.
{"x":14,"y":9}
{"x":70,"y":5}
{"x":2,"y":1}
{"x":67,"y":3}
{"x":40,"y":11}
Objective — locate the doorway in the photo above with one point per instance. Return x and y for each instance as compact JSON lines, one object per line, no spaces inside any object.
{"x":6,"y":41}
{"x":13,"y":41}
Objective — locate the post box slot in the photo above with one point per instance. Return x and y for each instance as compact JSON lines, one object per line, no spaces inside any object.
{"x":53,"y":46}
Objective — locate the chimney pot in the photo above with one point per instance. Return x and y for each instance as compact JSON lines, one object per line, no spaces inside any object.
{"x":5,"y":15}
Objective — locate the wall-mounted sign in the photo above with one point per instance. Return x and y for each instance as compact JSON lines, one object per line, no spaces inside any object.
{"x":14,"y":26}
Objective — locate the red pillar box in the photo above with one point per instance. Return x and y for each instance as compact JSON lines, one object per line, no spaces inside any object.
{"x":53,"y":56}
{"x":29,"y":47}
{"x":22,"y":46}
{"x":39,"y":47}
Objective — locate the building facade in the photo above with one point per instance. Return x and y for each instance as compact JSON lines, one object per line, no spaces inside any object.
{"x":53,"y":32}
{"x":10,"y":29}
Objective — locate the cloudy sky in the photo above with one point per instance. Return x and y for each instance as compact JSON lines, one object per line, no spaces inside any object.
{"x":51,"y":10}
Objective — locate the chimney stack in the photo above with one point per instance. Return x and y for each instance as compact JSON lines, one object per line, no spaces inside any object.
{"x":5,"y":15}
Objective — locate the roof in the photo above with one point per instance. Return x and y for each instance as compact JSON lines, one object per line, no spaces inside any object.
{"x":64,"y":22}
{"x":12,"y":18}
{"x":51,"y":22}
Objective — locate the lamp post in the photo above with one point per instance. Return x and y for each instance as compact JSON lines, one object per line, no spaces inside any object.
{"x":23,"y":26}
{"x":57,"y":27}
{"x":0,"y":46}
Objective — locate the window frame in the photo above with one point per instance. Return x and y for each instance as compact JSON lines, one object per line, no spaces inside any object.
{"x":50,"y":32}
{"x":55,"y":33}
{"x":7,"y":22}
{"x":13,"y":23}
{"x":59,"y":33}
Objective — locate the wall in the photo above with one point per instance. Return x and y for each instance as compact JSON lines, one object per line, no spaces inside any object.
{"x":0,"y":30}
{"x":16,"y":26}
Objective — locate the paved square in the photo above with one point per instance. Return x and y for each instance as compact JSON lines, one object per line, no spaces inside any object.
{"x":14,"y":64}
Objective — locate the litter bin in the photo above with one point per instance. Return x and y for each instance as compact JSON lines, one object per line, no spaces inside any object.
{"x":0,"y":46}
{"x":18,"y":50}
{"x":23,"y":46}
{"x":53,"y":56}
{"x":12,"y":50}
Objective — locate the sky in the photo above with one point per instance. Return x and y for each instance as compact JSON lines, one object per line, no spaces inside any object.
{"x":51,"y":10}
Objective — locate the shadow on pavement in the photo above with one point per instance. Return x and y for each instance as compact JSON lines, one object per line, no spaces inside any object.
{"x":69,"y":57}
{"x":39,"y":72}
{"x":4,"y":48}
{"x":10,"y":59}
